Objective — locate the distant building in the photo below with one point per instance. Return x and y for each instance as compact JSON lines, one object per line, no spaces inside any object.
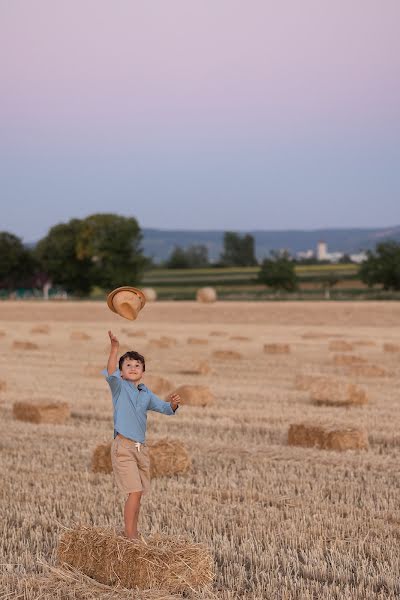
{"x":358,"y":258}
{"x":305,"y":254}
{"x":322,"y":251}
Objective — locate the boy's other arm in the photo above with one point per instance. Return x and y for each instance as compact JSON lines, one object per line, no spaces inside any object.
{"x":113,"y":358}
{"x":158,"y":405}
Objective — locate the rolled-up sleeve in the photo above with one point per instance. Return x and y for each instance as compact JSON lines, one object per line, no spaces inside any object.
{"x":159,"y":405}
{"x":113,"y":380}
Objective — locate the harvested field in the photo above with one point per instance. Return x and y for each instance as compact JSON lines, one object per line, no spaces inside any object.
{"x":279,"y":521}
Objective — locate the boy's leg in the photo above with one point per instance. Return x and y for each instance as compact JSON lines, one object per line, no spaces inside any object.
{"x":131,"y":514}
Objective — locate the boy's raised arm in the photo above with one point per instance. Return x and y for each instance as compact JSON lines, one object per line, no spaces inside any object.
{"x":113,"y":358}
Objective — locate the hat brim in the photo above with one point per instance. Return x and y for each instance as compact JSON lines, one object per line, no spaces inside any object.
{"x":125,"y":288}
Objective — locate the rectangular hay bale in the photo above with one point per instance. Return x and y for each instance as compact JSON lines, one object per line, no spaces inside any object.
{"x":55,"y":413}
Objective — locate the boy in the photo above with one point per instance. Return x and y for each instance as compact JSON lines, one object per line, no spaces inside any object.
{"x":129,"y":454}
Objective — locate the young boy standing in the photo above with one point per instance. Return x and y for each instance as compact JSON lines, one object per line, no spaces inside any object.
{"x":129,"y":453}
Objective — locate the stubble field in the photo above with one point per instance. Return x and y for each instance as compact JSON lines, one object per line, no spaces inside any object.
{"x":282,"y":522}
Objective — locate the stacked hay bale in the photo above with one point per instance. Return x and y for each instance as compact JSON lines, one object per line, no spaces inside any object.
{"x":79,"y":336}
{"x":150,"y":294}
{"x":197,"y":341}
{"x":159,"y":385}
{"x":276,"y":348}
{"x":195,"y":395}
{"x":55,"y":413}
{"x":327,"y":437}
{"x":163,"y":563}
{"x":22,"y":345}
{"x":340,"y":346}
{"x":227,"y":355}
{"x":337,"y":393}
{"x":167,"y":458}
{"x":206,"y":294}
{"x":348,"y":359}
{"x":389,"y":347}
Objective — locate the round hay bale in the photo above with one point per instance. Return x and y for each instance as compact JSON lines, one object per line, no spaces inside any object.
{"x":367,"y":371}
{"x":331,"y":437}
{"x":206,"y":294}
{"x":348,"y":359}
{"x":197,"y":341}
{"x":304,"y":382}
{"x":159,"y":385}
{"x":202,"y":368}
{"x":340,"y":346}
{"x":227,"y":355}
{"x":42,"y":329}
{"x":101,"y":458}
{"x":276,"y":348}
{"x":389,"y":347}
{"x":195,"y":395}
{"x":55,"y":413}
{"x":78,"y":336}
{"x":150,"y":294}
{"x":337,"y":393}
{"x":160,"y":562}
{"x":19,"y":345}
{"x":168,"y":457}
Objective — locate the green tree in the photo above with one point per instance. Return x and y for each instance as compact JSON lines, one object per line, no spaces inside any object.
{"x":112,"y":244}
{"x":238,"y":251}
{"x":177,"y":259}
{"x":382,"y":266}
{"x":59,"y":258}
{"x":278,"y":272}
{"x":17,"y":263}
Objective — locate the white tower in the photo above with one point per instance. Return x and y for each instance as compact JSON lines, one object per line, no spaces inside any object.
{"x":322,"y":251}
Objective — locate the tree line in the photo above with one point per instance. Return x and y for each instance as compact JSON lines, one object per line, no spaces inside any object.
{"x":104,"y":250}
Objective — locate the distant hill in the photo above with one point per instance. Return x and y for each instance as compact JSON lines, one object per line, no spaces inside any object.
{"x":158,"y":243}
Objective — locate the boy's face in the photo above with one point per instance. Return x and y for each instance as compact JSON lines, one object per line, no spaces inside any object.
{"x":132,"y":370}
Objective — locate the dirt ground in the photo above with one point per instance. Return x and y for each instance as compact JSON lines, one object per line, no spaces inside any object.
{"x":282,"y":522}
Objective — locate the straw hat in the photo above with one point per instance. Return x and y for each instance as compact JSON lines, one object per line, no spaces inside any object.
{"x":126,"y":301}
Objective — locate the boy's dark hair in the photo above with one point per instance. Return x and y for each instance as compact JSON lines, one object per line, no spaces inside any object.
{"x":132,"y":355}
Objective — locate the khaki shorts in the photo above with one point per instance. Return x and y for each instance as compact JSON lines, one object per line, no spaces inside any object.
{"x":131,"y":467}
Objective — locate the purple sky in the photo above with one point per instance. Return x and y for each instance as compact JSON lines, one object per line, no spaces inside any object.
{"x":200,"y":115}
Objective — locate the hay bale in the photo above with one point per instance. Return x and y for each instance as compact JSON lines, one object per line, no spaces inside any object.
{"x":227,"y":355}
{"x":101,"y":458}
{"x":163,"y":342}
{"x":168,"y":457}
{"x":389,"y":347}
{"x":42,"y":329}
{"x":348,"y":359}
{"x":197,"y":341}
{"x":79,"y":336}
{"x":276,"y":348}
{"x":331,"y":437}
{"x":304,"y":382}
{"x":363,"y":343}
{"x":218,"y":333}
{"x":3,"y":385}
{"x":150,"y":294}
{"x":340,"y":346}
{"x":160,"y":562}
{"x":206,"y":294}
{"x":367,"y":371}
{"x":2,"y":333}
{"x":337,"y":393}
{"x":55,"y":413}
{"x":20,"y":345}
{"x":240,"y":338}
{"x":202,"y":368}
{"x":195,"y":395}
{"x":159,"y":385}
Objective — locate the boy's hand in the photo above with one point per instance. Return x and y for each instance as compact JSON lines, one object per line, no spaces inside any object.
{"x":113,"y":340}
{"x":174,"y":401}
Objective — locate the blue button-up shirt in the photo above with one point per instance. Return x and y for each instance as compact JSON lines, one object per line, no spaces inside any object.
{"x":131,"y":404}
